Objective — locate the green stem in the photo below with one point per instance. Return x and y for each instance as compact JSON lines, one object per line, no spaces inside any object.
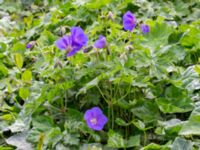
{"x":145,"y":138}
{"x":109,"y":116}
{"x":113,"y":119}
{"x":102,"y":94}
{"x":89,"y":138}
{"x":126,"y":93}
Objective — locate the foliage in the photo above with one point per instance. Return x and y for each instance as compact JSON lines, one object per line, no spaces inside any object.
{"x":146,"y":84}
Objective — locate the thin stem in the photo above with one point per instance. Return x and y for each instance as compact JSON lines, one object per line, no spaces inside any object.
{"x":113,"y":119}
{"x":102,"y":94}
{"x":97,"y":55}
{"x":65,"y":100}
{"x":88,"y":140}
{"x":111,"y":93}
{"x":145,"y":138}
{"x":109,"y":116}
{"x":126,"y":93}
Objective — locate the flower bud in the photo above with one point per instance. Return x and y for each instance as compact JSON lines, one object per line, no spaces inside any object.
{"x":110,"y":16}
{"x":30,"y":44}
{"x":128,"y":47}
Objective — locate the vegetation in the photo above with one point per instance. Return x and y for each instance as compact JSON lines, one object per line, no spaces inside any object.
{"x":141,"y":80}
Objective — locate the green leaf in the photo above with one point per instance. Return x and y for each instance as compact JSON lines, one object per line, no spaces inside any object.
{"x":175,"y":100}
{"x":18,"y":126}
{"x":33,"y":135}
{"x":24,"y":93}
{"x":27,"y":76}
{"x":73,"y":114}
{"x":197,"y":69}
{"x":154,"y":146}
{"x":3,"y":47}
{"x":146,"y":110}
{"x":115,"y":140}
{"x":121,"y":122}
{"x":43,"y":123}
{"x":139,"y":124}
{"x":18,"y":60}
{"x":5,"y":148}
{"x":54,"y":136}
{"x":19,"y":140}
{"x":19,"y":47}
{"x":192,"y":126}
{"x":124,"y":104}
{"x":92,"y":146}
{"x":181,"y":144}
{"x":172,"y":126}
{"x":190,"y":79}
{"x":7,"y":117}
{"x":71,"y":139}
{"x":3,"y":71}
{"x":46,"y":38}
{"x":175,"y":37}
{"x":133,"y":141}
{"x":97,"y":4}
{"x":99,"y":78}
{"x":158,"y":35}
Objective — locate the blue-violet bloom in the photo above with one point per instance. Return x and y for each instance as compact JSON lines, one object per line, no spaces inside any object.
{"x":74,"y":42}
{"x":129,"y":21}
{"x":145,"y":28}
{"x":30,"y":44}
{"x":101,"y":42}
{"x":95,"y":118}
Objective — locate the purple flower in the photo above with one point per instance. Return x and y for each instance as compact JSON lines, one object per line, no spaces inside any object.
{"x":145,"y":28}
{"x":101,"y":42}
{"x":95,"y":118}
{"x":129,"y":21}
{"x":74,"y":42}
{"x":30,"y":44}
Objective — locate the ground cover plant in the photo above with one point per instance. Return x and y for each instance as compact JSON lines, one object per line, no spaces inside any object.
{"x":99,"y":75}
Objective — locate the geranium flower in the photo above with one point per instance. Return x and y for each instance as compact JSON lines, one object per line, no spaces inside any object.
{"x":129,"y":21}
{"x":95,"y":118}
{"x":74,"y":42}
{"x":30,"y":44}
{"x":101,"y":42}
{"x":145,"y":28}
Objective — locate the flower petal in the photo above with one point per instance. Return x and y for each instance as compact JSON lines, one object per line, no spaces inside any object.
{"x":97,"y":127}
{"x":95,"y":113}
{"x":145,"y":28}
{"x":102,"y":119}
{"x":29,"y":46}
{"x":101,"y":42}
{"x":64,"y":42}
{"x":75,"y":49}
{"x":129,"y":21}
{"x":78,"y":36}
{"x":88,"y":115}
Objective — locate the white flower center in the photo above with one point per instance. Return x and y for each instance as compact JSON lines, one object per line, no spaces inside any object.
{"x":93,"y":121}
{"x":69,"y":48}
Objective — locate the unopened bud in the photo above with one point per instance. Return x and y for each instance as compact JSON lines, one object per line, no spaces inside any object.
{"x":62,"y":31}
{"x":30,"y":44}
{"x":123,"y":56}
{"x":110,"y":16}
{"x":87,"y":49}
{"x":128,"y":47}
{"x":58,"y":64}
